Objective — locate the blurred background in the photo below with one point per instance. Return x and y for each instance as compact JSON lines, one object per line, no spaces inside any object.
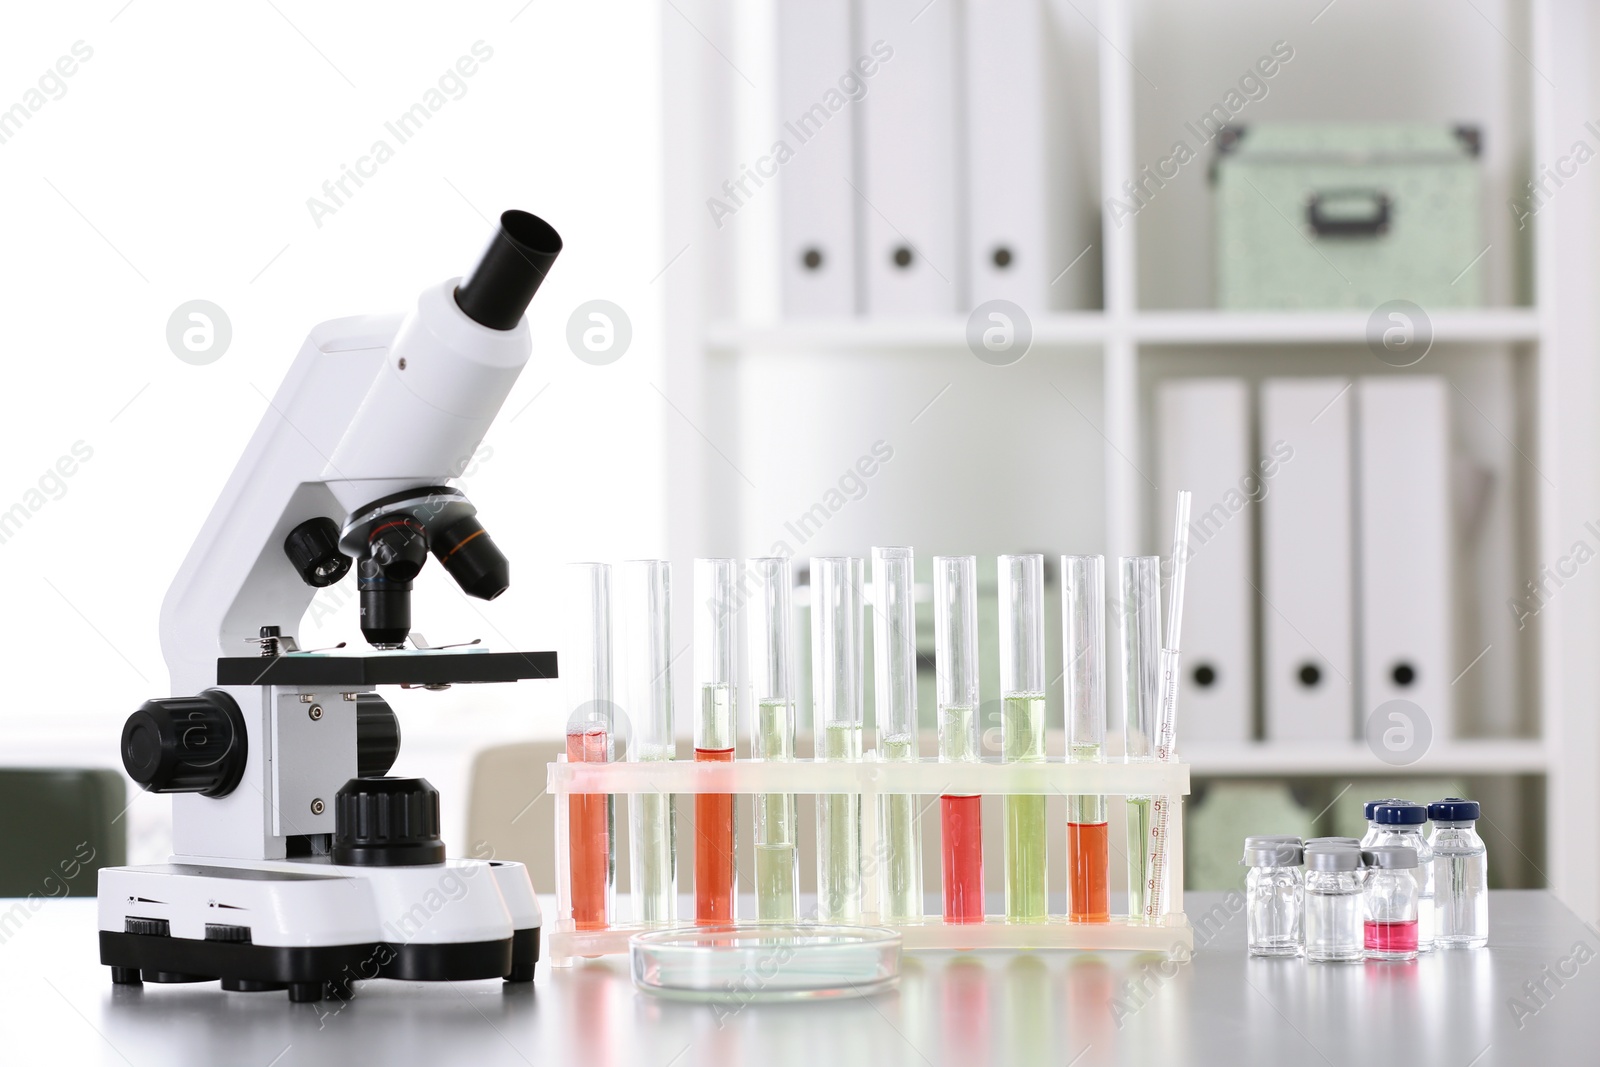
{"x":974,"y":277}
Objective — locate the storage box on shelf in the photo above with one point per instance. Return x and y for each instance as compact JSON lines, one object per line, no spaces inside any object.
{"x":871,"y":778}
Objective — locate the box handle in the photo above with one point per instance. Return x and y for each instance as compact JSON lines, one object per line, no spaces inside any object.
{"x":1373,"y":222}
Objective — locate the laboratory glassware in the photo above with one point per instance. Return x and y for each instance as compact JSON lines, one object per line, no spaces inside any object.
{"x":1400,"y":823}
{"x":838,"y":647}
{"x":894,"y":651}
{"x":1139,"y":624}
{"x":1022,"y":729}
{"x":771,"y":684}
{"x":1390,"y":902}
{"x":1461,"y":875}
{"x":1083,"y":582}
{"x":1274,"y":895}
{"x":646,"y":595}
{"x":715,"y":656}
{"x":1368,"y":809}
{"x":590,"y":818}
{"x":1333,"y":919}
{"x":955,"y":634}
{"x":1160,"y":841}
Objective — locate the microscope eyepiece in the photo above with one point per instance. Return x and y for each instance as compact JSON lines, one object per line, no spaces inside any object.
{"x":473,"y":559}
{"x":510,"y":271}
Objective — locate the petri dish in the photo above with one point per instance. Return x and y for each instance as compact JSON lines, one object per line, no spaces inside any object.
{"x":765,"y":961}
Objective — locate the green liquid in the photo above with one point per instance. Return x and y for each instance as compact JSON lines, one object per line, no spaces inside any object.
{"x":839,"y":835}
{"x":655,"y":858}
{"x":958,"y":736}
{"x":1022,"y":741}
{"x":901,"y":891}
{"x":777,"y":877}
{"x":1138,"y":844}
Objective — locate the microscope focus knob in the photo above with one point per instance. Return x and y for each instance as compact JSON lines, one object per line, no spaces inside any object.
{"x":377,"y":736}
{"x":186,"y":744}
{"x":313,"y":550}
{"x":387,"y":822}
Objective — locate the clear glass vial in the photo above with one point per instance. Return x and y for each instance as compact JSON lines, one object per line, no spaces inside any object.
{"x":1333,"y":902}
{"x":1369,"y":811}
{"x":1389,"y":928}
{"x":1461,"y":875}
{"x":1400,"y":822}
{"x":1274,"y":895}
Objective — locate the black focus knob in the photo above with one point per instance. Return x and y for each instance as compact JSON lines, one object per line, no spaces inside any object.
{"x":387,"y":822}
{"x":377,"y":736}
{"x":313,"y":549}
{"x":186,"y":744}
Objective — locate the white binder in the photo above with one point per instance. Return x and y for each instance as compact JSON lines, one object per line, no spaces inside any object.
{"x":1403,"y":475}
{"x":818,"y":204}
{"x":1007,"y":206}
{"x":1307,"y":566}
{"x":909,"y":208}
{"x":1204,"y":426}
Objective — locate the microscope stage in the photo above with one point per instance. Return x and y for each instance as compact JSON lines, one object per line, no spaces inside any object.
{"x":402,"y":667}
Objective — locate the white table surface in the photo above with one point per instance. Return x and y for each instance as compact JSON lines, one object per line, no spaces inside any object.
{"x":57,"y":1006}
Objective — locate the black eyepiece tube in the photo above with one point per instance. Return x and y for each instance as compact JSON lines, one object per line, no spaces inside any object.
{"x":501,"y":286}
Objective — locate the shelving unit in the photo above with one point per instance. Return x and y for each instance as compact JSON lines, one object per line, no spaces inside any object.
{"x":730,"y":351}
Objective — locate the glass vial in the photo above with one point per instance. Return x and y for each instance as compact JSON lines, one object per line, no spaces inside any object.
{"x":1390,"y":902}
{"x":838,"y":647}
{"x":771,"y":685}
{"x":715,"y":658}
{"x":1333,"y":919}
{"x":1400,"y":822}
{"x":1461,"y":875}
{"x":1139,"y":627}
{"x":1022,"y":729}
{"x":591,"y":817}
{"x":646,"y":595}
{"x":894,"y":650}
{"x":955,"y":651}
{"x":1083,"y":639}
{"x":1274,"y":895}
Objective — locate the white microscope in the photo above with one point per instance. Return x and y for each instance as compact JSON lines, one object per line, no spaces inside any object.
{"x":298,"y":865}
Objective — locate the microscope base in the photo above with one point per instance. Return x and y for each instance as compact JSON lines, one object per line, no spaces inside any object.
{"x":311,"y":927}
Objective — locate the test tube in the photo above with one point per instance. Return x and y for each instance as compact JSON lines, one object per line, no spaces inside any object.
{"x":837,"y":649}
{"x":777,"y":866}
{"x":590,"y":816}
{"x":894,"y":652}
{"x":647,"y":609}
{"x":955,"y":650}
{"x":1140,"y":627}
{"x":1083,"y":594}
{"x":1022,"y":713}
{"x":714,"y":678}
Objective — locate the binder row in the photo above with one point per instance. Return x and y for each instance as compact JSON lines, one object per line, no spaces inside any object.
{"x":925,"y":192}
{"x":1351,"y":478}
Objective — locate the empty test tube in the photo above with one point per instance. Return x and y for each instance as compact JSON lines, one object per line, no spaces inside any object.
{"x":837,"y":651}
{"x":1022,"y":729}
{"x":1139,"y":615}
{"x":590,"y":816}
{"x":715,"y":656}
{"x":955,"y":636}
{"x":777,"y":866}
{"x":646,"y":596}
{"x":894,"y":649}
{"x":1083,"y":656}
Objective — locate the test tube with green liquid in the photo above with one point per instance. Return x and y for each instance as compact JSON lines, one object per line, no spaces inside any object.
{"x":838,"y":709}
{"x":1139,"y":625}
{"x":894,"y":653}
{"x":777,"y":868}
{"x":1083,"y":595}
{"x":647,"y":611}
{"x":1022,"y":722}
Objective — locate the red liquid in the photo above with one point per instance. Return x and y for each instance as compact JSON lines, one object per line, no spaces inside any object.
{"x":961,"y":823}
{"x":588,"y":836}
{"x":713,"y":849}
{"x":1391,"y":937}
{"x":1089,"y":864}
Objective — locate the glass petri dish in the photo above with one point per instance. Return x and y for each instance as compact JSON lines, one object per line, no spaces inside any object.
{"x":765,"y":962}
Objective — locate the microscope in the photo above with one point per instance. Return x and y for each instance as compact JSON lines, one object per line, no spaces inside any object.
{"x":299,"y":864}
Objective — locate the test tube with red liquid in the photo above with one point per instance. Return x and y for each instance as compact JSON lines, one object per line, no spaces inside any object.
{"x":955,"y":627}
{"x":1083,"y":596}
{"x":715,"y":659}
{"x":591,"y":820}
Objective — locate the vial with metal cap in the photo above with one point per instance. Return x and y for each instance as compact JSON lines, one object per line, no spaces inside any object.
{"x":1333,"y":903}
{"x":1461,"y":875}
{"x":1274,"y":895}
{"x":1389,"y":930}
{"x":1400,"y":822}
{"x":1369,"y":812}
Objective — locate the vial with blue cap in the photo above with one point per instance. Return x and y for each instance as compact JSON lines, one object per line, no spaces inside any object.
{"x":1369,"y":810}
{"x":1461,"y":875}
{"x":1400,"y":822}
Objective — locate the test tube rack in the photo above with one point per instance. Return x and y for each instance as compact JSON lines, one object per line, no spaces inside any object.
{"x":871,"y":778}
